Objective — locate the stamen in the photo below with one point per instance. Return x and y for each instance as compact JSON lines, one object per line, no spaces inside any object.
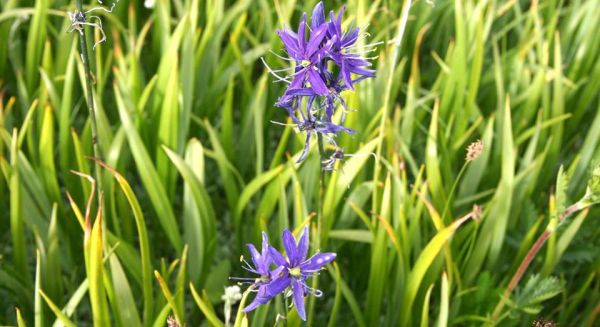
{"x":273,"y":73}
{"x":313,"y":291}
{"x":282,"y":124}
{"x":359,"y":46}
{"x":282,"y":57}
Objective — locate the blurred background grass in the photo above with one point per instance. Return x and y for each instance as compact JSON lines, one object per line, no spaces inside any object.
{"x":183,"y":109}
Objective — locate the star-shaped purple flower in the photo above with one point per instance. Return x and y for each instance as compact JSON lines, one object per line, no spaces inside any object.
{"x":344,"y":52}
{"x":262,"y":262}
{"x":308,"y":55}
{"x":297,"y":268}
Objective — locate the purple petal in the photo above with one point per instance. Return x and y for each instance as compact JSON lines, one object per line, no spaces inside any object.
{"x":339,"y":20}
{"x":256,"y":259}
{"x":325,"y":49}
{"x":261,"y":298}
{"x":330,"y":107}
{"x":346,"y":75}
{"x":331,"y":128}
{"x":277,"y":272}
{"x":306,"y":147}
{"x":318,"y":16}
{"x":316,"y":262}
{"x":316,"y":37}
{"x":265,"y":243}
{"x":253,"y":305}
{"x":309,"y":105}
{"x":303,"y":245}
{"x":301,"y":38}
{"x":289,"y":39}
{"x":350,"y":38}
{"x":345,"y":107}
{"x":278,"y":285}
{"x":333,"y":28}
{"x":266,"y":258}
{"x":357,"y":61}
{"x":356,"y":80}
{"x":300,"y":92}
{"x":299,"y":79}
{"x":298,"y":291}
{"x":277,"y":258}
{"x":316,"y":82}
{"x":289,"y":244}
{"x":362,"y":71}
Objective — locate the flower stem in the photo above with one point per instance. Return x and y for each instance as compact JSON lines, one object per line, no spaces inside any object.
{"x":321,"y":183}
{"x":315,"y":281}
{"x":529,"y":257}
{"x":83,"y":50}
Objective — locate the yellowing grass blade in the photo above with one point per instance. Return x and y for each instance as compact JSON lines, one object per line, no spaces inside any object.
{"x":96,"y":271}
{"x":429,"y":253}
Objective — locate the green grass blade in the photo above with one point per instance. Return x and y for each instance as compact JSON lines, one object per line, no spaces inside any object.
{"x":59,"y":314}
{"x":145,"y":257}
{"x":128,"y":313}
{"x":206,"y":225}
{"x":206,"y":309}
{"x":150,"y":177}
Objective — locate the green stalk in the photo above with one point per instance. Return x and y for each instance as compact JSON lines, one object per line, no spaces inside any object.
{"x":315,"y":281}
{"x":321,"y":184}
{"x":83,"y":50}
{"x":95,"y":273}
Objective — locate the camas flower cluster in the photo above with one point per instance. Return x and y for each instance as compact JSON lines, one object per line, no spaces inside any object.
{"x":326,"y":62}
{"x":278,"y":274}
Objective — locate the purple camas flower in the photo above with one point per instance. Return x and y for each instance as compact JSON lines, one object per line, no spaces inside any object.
{"x":291,"y":273}
{"x":307,"y":55}
{"x":297,"y":268}
{"x":262,"y":262}
{"x":324,"y":58}
{"x":261,"y":266}
{"x":342,"y":52}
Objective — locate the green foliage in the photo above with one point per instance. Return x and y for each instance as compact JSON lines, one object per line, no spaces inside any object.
{"x":192,"y":168}
{"x":534,"y":292}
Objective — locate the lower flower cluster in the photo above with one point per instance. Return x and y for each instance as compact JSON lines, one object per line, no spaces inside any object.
{"x":279,"y":274}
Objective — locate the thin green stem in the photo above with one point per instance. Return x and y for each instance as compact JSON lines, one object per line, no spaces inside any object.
{"x":451,"y":194}
{"x":320,"y":218}
{"x":287,"y":310}
{"x":83,"y":50}
{"x":321,"y":182}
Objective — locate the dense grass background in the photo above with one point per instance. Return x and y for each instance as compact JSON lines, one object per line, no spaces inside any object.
{"x":183,"y":109}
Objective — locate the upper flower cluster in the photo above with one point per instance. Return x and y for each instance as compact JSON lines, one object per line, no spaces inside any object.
{"x":327,"y":61}
{"x":278,"y":273}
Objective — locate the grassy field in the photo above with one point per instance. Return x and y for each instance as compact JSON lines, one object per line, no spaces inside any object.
{"x":147,"y":224}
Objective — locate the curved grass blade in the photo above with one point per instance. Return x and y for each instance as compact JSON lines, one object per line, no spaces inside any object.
{"x":143,"y":241}
{"x":207,"y":223}
{"x":59,"y":314}
{"x":150,"y":177}
{"x":206,"y":309}
{"x":426,"y":258}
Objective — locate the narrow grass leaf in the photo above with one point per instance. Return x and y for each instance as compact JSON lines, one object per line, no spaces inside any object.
{"x":150,"y":177}
{"x":142,"y":233}
{"x":59,"y":314}
{"x":206,"y":309}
